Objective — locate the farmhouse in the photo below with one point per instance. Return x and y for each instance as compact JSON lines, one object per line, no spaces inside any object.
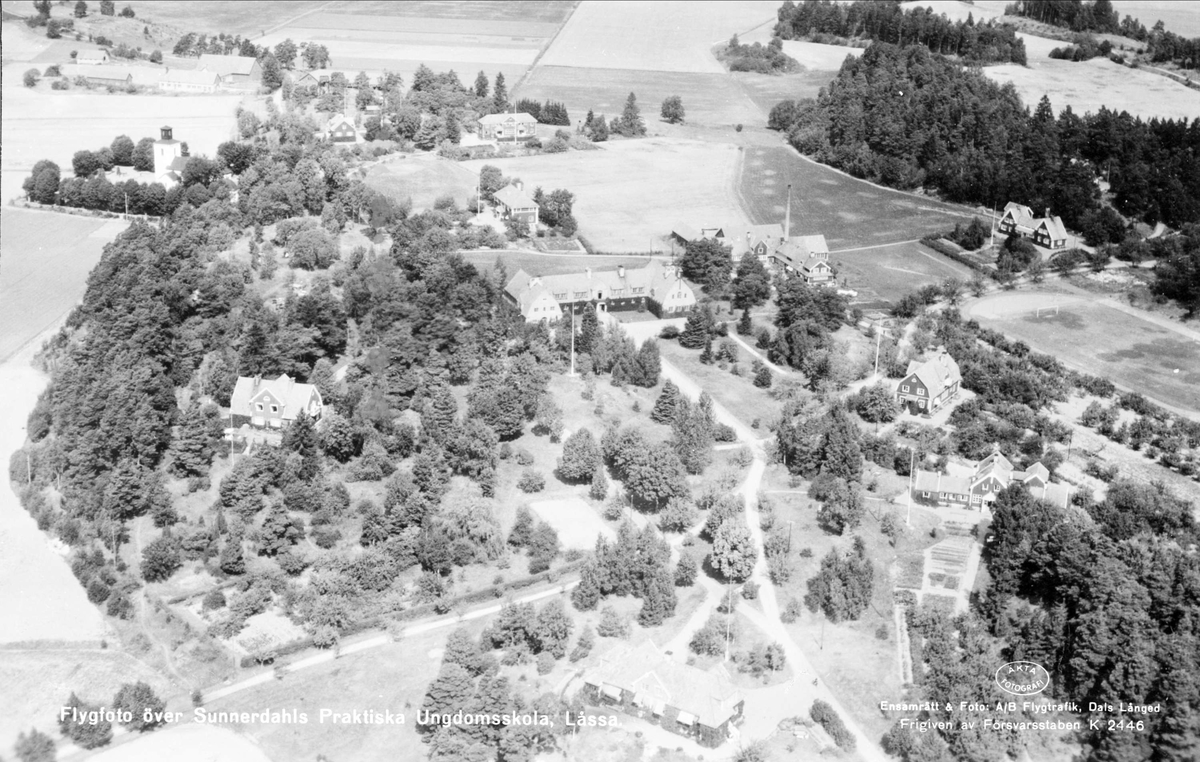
{"x":992,"y":475}
{"x":759,"y":240}
{"x":92,"y":57}
{"x":190,"y":80}
{"x":341,"y":130}
{"x":1045,"y":231}
{"x":644,"y":682}
{"x":927,"y":387}
{"x":807,"y":255}
{"x":272,"y":403}
{"x":507,"y":127}
{"x":233,"y":70}
{"x":516,"y":204}
{"x":656,"y":287}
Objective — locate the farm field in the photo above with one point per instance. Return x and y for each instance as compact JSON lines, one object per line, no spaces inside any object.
{"x":248,"y":18}
{"x":959,"y":11}
{"x":708,"y":98}
{"x":1093,"y":337}
{"x":36,"y":684}
{"x":1180,"y":18}
{"x":630,"y":193}
{"x":886,"y":273}
{"x":423,"y":178}
{"x":1088,"y":85}
{"x":653,"y":36}
{"x":765,"y":90}
{"x":815,"y":55}
{"x":466,"y":37}
{"x":848,"y":212}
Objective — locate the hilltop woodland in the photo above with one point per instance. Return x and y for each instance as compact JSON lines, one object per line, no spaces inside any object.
{"x":958,"y":132}
{"x":844,"y":23}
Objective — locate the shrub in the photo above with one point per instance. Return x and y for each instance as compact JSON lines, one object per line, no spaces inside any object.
{"x":531,"y":481}
{"x":792,"y":611}
{"x":524,"y":458}
{"x":750,"y":590}
{"x":545,"y":663}
{"x":612,"y":624}
{"x":823,"y":713}
{"x":215,"y":599}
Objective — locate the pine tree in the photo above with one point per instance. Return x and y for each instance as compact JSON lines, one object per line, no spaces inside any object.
{"x":667,"y":405}
{"x":686,"y":570}
{"x":233,"y":559}
{"x":762,"y":375}
{"x":695,"y":331}
{"x":522,"y":528}
{"x":141,"y":702}
{"x":706,"y":356}
{"x":580,"y":456}
{"x":659,"y":601}
{"x":745,"y":326}
{"x":599,"y":486}
{"x":552,"y":629}
{"x":481,"y":85}
{"x":841,"y":455}
{"x":586,"y":594}
{"x":631,"y":121}
{"x":451,"y":691}
{"x":438,"y":411}
{"x":649,"y":365}
{"x":499,"y":94}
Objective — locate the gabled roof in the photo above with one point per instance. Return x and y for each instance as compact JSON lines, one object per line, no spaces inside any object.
{"x":227,"y":65}
{"x":1054,"y":227}
{"x":656,"y":678}
{"x":936,"y":373}
{"x":685,"y":231}
{"x":654,"y":279}
{"x":742,"y":238}
{"x":113,"y":73}
{"x":294,"y":396}
{"x":1058,"y":494}
{"x":514,"y":198}
{"x":518,"y":118}
{"x":799,"y":248}
{"x":1019,"y":212}
{"x":92,"y":55}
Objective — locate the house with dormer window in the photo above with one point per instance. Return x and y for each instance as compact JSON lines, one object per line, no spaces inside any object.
{"x":272,"y":403}
{"x":991,"y":476}
{"x":929,"y":386}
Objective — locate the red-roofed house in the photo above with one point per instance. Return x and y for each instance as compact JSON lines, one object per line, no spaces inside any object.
{"x":644,"y":682}
{"x":272,"y":403}
{"x":929,"y":386}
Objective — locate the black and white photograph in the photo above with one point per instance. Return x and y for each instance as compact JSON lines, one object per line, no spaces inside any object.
{"x":600,"y":381}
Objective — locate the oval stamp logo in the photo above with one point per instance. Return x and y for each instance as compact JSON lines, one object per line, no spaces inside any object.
{"x":1022,"y":678}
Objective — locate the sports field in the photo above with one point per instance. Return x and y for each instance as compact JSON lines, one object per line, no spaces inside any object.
{"x":423,"y":178}
{"x":886,"y":273}
{"x":1088,"y":85}
{"x":630,"y":193}
{"x":653,"y":36}
{"x":1091,"y":336}
{"x":850,"y":213}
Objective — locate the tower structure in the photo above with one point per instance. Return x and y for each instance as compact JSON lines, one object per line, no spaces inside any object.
{"x":166,"y":151}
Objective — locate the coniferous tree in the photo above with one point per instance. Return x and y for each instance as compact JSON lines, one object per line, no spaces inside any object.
{"x":695,"y":331}
{"x":649,"y":365}
{"x":762,"y":375}
{"x":86,"y":735}
{"x":232,"y":559}
{"x":522,"y":528}
{"x":693,"y":437}
{"x":840,"y":453}
{"x":451,"y":691}
{"x":667,"y":405}
{"x":598,"y":490}
{"x":552,"y":629}
{"x":499,"y":94}
{"x":142,"y":704}
{"x":586,"y":594}
{"x":659,"y":600}
{"x":631,"y":122}
{"x":706,"y":355}
{"x":580,"y":456}
{"x":35,"y":747}
{"x":745,"y":326}
{"x":481,"y":85}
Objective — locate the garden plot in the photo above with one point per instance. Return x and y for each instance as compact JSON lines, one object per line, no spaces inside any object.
{"x":577,"y":524}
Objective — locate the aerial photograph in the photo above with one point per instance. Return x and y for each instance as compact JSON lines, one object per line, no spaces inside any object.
{"x":600,"y":381}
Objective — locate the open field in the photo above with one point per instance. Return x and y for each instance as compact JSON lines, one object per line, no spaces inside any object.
{"x":630,"y":193}
{"x":423,"y":178}
{"x":889,"y":272}
{"x":958,"y":11}
{"x":186,"y":743}
{"x":248,"y":18}
{"x":653,"y":36}
{"x":708,"y":98}
{"x":848,"y":212}
{"x":1180,"y":18}
{"x":766,"y":90}
{"x":1093,"y":337}
{"x":815,"y":55}
{"x":36,"y":683}
{"x":1088,"y":85}
{"x":46,"y":260}
{"x":736,"y":393}
{"x":578,"y":526}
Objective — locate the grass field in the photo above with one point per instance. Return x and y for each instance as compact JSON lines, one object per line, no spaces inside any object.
{"x":850,"y":213}
{"x":186,"y":743}
{"x":766,"y":90}
{"x":630,"y":193}
{"x":1093,"y":337}
{"x":423,"y":178}
{"x":653,"y":36}
{"x":708,"y":98}
{"x":887,"y":273}
{"x":814,"y":55}
{"x":1087,"y":86}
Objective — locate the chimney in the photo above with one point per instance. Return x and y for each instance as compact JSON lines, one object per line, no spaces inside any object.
{"x":519,"y":185}
{"x":1047,"y":212}
{"x":588,"y":271}
{"x":620,"y":271}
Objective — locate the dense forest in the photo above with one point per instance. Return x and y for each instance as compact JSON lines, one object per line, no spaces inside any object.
{"x":905,"y":117}
{"x":889,"y":22}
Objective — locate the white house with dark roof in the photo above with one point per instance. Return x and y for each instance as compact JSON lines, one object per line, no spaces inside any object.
{"x":808,"y":256}
{"x":190,"y":80}
{"x":272,"y":403}
{"x":642,"y":681}
{"x":520,"y":126}
{"x":1047,"y":231}
{"x":92,"y":57}
{"x":656,"y":287}
{"x":929,"y":386}
{"x":991,"y":476}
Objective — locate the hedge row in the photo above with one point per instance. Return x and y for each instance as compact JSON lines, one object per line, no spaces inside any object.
{"x":953,"y":252}
{"x":837,"y":730}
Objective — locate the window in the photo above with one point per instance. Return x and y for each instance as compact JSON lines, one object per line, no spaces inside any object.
{"x":259,"y":407}
{"x":920,"y":392}
{"x":274,"y":408}
{"x":560,"y":296}
{"x":905,"y":387}
{"x":640,"y":290}
{"x":581,"y":294}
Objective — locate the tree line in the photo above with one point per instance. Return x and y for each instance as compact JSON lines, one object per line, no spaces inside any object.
{"x":890,"y":22}
{"x":973,"y":140}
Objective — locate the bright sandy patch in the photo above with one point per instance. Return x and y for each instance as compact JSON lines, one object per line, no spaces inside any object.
{"x":659,"y":36}
{"x":630,"y":193}
{"x":815,"y":55}
{"x":577,"y":524}
{"x":186,"y":743}
{"x":1088,"y":85}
